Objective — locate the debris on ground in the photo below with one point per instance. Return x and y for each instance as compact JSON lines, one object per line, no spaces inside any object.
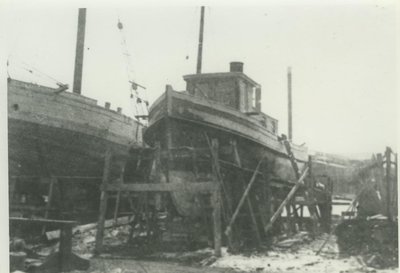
{"x":375,"y":239}
{"x":298,"y":254}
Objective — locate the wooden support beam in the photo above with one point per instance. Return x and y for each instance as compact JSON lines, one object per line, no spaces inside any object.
{"x":289,"y":218}
{"x":65,"y":247}
{"x":198,"y":187}
{"x":226,"y":207}
{"x":216,"y":201}
{"x":236,"y":153}
{"x":395,"y":187}
{"x":42,"y":221}
{"x":243,"y":198}
{"x":388,"y":184}
{"x":103,"y":202}
{"x":147,"y":215}
{"x":116,"y":209}
{"x":286,"y":200}
{"x":254,"y":220}
{"x":291,"y":156}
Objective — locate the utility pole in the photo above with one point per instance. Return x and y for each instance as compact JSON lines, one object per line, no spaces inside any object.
{"x":80,"y":44}
{"x":200,"y":48}
{"x":289,"y":82}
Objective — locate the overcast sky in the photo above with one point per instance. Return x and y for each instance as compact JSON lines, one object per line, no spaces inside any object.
{"x":343,"y":58}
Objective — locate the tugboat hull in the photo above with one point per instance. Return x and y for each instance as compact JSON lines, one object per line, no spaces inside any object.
{"x":180,"y":122}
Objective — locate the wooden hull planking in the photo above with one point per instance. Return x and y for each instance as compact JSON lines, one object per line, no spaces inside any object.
{"x":63,"y":135}
{"x":178,"y":120}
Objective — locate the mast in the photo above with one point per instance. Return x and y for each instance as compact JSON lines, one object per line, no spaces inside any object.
{"x":80,"y":43}
{"x":200,"y":49}
{"x":289,"y":82}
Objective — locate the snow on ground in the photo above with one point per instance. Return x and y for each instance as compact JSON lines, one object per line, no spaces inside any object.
{"x":298,"y":259}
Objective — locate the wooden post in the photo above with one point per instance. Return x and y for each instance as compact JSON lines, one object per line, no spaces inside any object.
{"x":216,"y":200}
{"x":215,"y":169}
{"x":103,"y":202}
{"x":121,"y":166}
{"x":147,"y":215}
{"x":226,"y":207}
{"x":380,"y":181}
{"x":388,"y":183}
{"x":395,"y":188}
{"x":158,"y":197}
{"x":289,"y":219}
{"x":65,"y":247}
{"x":116,"y":209}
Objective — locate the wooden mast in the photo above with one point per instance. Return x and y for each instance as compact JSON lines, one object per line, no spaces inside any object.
{"x":200,"y":48}
{"x":80,"y":43}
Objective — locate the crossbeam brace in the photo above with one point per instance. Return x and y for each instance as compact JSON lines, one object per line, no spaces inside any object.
{"x":162,"y":187}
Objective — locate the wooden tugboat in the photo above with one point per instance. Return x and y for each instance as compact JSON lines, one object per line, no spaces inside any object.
{"x":223,"y":109}
{"x":215,"y":162}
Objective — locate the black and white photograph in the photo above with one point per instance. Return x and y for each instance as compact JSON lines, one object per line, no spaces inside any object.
{"x":200,"y":137}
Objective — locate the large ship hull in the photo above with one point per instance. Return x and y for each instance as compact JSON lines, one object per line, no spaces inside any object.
{"x":62,"y":135}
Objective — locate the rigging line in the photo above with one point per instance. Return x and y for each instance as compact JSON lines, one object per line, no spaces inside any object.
{"x":39,"y":74}
{"x":125,"y":51}
{"x":129,"y":71}
{"x":32,"y":68}
{"x":138,"y":107}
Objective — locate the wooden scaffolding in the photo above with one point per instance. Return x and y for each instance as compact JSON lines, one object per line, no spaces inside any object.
{"x":225,"y":212}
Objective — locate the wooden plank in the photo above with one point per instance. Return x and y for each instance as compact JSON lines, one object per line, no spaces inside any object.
{"x":103,"y":203}
{"x":216,"y":200}
{"x":243,"y":198}
{"x":286,"y":200}
{"x":55,"y":234}
{"x":197,"y":187}
{"x":225,"y":207}
{"x":116,"y":209}
{"x":254,"y":220}
{"x":65,"y":247}
{"x":236,"y":153}
{"x":41,"y":221}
